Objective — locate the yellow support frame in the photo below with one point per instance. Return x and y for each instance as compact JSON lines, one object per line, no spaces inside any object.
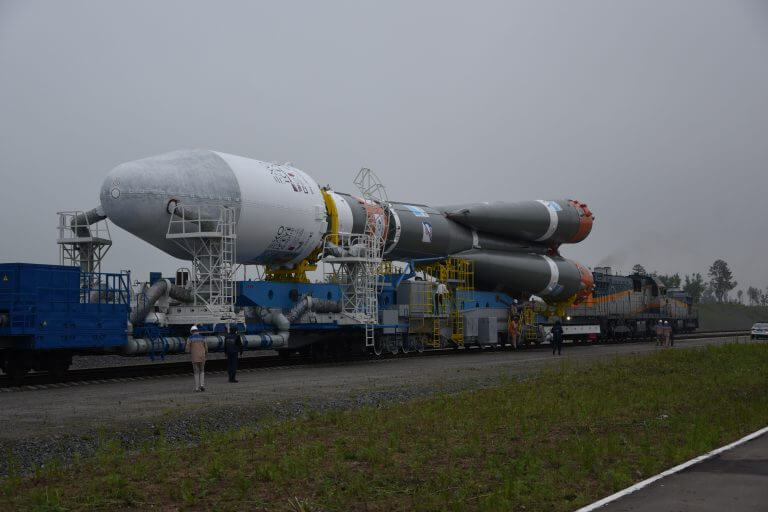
{"x":422,"y":319}
{"x":527,"y":326}
{"x":558,"y":308}
{"x":459,"y":276}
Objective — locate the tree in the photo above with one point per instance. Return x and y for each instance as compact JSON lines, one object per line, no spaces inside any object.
{"x":740,"y":296}
{"x":706,"y":294}
{"x":720,"y":280}
{"x":670,"y":281}
{"x":694,"y":286}
{"x":754,"y":296}
{"x":639,"y":269}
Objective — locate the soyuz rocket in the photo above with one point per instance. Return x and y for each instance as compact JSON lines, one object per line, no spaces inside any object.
{"x":282,"y":216}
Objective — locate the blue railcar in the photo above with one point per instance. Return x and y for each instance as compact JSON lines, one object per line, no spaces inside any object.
{"x":50,"y":312}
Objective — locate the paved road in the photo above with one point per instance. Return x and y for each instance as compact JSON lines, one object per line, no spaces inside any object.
{"x":733,"y":481}
{"x":62,"y":411}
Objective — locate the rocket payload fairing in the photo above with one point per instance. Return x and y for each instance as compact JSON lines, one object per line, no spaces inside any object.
{"x":283,"y":215}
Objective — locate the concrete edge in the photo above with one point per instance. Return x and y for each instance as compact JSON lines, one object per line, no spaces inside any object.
{"x":676,"y":469}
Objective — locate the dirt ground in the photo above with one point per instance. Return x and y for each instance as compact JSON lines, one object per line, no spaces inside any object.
{"x":52,"y":413}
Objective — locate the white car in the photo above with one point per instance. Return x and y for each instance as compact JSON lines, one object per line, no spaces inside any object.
{"x":759,"y":330}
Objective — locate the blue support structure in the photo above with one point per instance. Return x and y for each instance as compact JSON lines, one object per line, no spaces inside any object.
{"x":49,"y":307}
{"x":278,"y":294}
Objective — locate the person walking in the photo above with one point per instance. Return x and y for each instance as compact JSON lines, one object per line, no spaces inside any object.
{"x":233,"y":348}
{"x":197,"y":348}
{"x":659,"y":333}
{"x":667,"y":333}
{"x":557,"y":337}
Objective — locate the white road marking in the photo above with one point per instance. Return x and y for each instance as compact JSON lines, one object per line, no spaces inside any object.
{"x":671,"y":471}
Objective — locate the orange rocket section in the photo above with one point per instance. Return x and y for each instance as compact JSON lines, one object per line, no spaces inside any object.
{"x":585,"y":221}
{"x":587,"y":283}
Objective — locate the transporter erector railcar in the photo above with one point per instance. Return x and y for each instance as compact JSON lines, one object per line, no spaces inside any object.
{"x":48,"y":313}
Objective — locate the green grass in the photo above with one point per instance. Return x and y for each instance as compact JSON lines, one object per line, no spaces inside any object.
{"x":721,"y":317}
{"x":553,"y":442}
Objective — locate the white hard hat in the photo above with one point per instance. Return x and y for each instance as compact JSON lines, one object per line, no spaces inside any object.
{"x":193,"y":329}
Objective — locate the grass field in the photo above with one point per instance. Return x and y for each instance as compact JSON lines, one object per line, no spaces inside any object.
{"x":553,"y":442}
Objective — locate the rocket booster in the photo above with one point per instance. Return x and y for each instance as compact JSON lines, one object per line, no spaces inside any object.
{"x":282,"y":216}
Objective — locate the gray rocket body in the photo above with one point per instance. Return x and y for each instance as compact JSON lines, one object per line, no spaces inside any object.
{"x":552,"y":277}
{"x":552,"y":222}
{"x":282,"y":216}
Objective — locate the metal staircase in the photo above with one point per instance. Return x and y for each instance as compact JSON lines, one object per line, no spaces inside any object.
{"x":354,"y":263}
{"x":208,"y":236}
{"x":457,"y":275}
{"x":460,"y":274}
{"x":529,"y":327}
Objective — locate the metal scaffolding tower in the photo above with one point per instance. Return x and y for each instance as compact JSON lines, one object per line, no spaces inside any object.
{"x":207,"y":234}
{"x":370,"y":186}
{"x":355,"y":263}
{"x":354,"y":260}
{"x":430,"y":312}
{"x":83,"y":240}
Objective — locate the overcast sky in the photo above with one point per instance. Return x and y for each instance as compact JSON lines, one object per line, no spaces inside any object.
{"x":655,"y":113}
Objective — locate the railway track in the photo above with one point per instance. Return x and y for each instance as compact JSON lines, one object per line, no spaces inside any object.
{"x":104,"y":375}
{"x":139,"y":372}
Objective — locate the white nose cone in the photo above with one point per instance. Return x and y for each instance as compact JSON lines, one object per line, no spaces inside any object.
{"x":280,"y":210}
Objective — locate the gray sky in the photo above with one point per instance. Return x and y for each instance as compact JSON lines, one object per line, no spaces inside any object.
{"x":655,"y":113}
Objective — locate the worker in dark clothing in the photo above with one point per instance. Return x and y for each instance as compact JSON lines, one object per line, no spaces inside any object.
{"x":233,"y":347}
{"x":557,"y":337}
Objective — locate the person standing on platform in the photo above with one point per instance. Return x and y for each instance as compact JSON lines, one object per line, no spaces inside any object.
{"x":557,"y":337}
{"x":233,"y":348}
{"x":197,"y":348}
{"x":440,"y":296}
{"x":513,"y":327}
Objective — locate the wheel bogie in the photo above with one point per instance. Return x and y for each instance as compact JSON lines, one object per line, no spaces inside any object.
{"x":18,"y":363}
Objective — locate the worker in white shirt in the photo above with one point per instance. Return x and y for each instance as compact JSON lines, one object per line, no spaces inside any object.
{"x":440,"y":296}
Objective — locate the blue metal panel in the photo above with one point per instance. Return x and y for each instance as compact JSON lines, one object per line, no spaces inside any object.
{"x":491,"y":300}
{"x":29,"y":283}
{"x":49,"y":309}
{"x":387,"y":298}
{"x":258,"y":328}
{"x":274,"y":294}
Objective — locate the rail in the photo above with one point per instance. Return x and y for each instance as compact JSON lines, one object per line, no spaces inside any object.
{"x":36,"y":380}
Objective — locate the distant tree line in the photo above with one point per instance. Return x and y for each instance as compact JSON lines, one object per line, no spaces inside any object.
{"x":715,"y":288}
